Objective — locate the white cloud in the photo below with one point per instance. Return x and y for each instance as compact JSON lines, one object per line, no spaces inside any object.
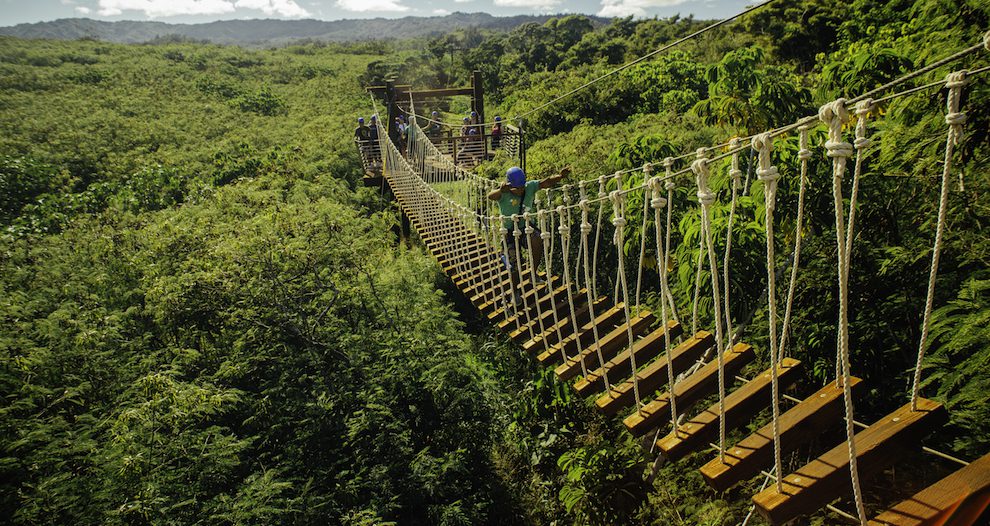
{"x":532,"y":4}
{"x":162,"y":8}
{"x":82,"y":10}
{"x":371,"y":5}
{"x":633,"y":7}
{"x":441,"y":12}
{"x":461,"y":1}
{"x":166,"y":8}
{"x":286,"y":8}
{"x":67,"y":2}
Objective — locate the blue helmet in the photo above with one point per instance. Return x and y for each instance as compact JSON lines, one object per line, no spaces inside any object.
{"x":360,"y":120}
{"x":374,"y":118}
{"x":516,"y":177}
{"x":498,"y":119}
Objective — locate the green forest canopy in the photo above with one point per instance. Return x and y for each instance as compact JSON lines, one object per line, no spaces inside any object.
{"x":205,"y":320}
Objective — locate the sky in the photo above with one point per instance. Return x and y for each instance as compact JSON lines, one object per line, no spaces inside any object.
{"x":196,"y":11}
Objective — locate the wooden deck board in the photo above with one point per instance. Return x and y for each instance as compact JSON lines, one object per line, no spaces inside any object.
{"x":688,"y":391}
{"x":740,"y":406}
{"x":604,"y":320}
{"x":798,"y":425}
{"x":957,"y":500}
{"x":610,"y":344}
{"x":654,"y":375}
{"x":827,"y":478}
{"x":619,"y":367}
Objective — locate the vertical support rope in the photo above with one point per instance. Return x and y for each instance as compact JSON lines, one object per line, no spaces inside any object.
{"x":735,"y":176}
{"x":835,"y":115}
{"x":706,"y":197}
{"x":769,"y":175}
{"x":619,"y":221}
{"x":668,"y":164}
{"x":516,"y":234}
{"x":589,"y":281}
{"x":647,"y":172}
{"x":598,"y":235}
{"x":546,"y":234}
{"x":658,"y":202}
{"x":804,"y":154}
{"x":532,"y":276}
{"x":955,"y":120}
{"x":564,"y":230}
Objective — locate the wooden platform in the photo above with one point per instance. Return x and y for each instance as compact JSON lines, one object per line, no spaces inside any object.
{"x":604,"y":320}
{"x":799,"y":425}
{"x":957,"y":500}
{"x":826,"y":478}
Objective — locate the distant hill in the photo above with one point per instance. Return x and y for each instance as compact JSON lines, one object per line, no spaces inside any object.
{"x":269,"y":32}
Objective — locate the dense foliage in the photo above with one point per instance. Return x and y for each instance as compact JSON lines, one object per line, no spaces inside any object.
{"x":205,"y":320}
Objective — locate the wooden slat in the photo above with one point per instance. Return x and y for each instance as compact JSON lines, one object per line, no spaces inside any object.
{"x":604,"y":320}
{"x":797,"y":426}
{"x":654,"y":375}
{"x":688,"y":391}
{"x":541,"y":296}
{"x":609,"y":346}
{"x":740,"y":406}
{"x":957,"y":500}
{"x":644,"y":349}
{"x":827,"y":478}
{"x":561,"y":307}
{"x":582,"y":313}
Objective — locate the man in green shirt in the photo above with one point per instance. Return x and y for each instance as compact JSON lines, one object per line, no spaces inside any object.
{"x":515,"y":197}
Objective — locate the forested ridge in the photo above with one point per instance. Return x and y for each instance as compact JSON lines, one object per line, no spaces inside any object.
{"x":205,"y":318}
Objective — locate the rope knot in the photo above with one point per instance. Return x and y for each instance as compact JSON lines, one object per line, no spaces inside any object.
{"x":955,"y":119}
{"x":736,"y":174}
{"x":648,"y":169}
{"x":768,"y":175}
{"x":701,"y":153}
{"x":583,"y":204}
{"x":658,"y":202}
{"x":668,"y":162}
{"x":700,"y":169}
{"x":804,"y":153}
{"x":865,"y":107}
{"x":956,"y":79}
{"x":834,"y":114}
{"x":619,"y":222}
{"x":839,"y":149}
{"x":735,"y":142}
{"x":861,"y":143}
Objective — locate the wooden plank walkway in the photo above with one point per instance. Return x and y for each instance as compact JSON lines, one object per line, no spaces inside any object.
{"x":561,"y":329}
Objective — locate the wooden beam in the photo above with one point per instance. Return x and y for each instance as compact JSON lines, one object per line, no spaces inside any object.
{"x":797,"y":426}
{"x":565,"y":325}
{"x":959,"y":499}
{"x":654,"y":375}
{"x":604,"y":320}
{"x":617,"y":368}
{"x":609,"y":345}
{"x":419,"y":95}
{"x":827,"y":478}
{"x":563,"y":314}
{"x":740,"y":406}
{"x":688,"y":391}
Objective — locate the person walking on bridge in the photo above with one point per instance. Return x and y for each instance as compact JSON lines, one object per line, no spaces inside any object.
{"x":515,"y":197}
{"x":362,"y":136}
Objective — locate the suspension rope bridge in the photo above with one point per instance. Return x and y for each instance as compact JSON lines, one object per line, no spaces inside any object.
{"x":596,"y":331}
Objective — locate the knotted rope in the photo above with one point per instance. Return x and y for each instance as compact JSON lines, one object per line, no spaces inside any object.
{"x":835,"y":115}
{"x":706,"y":198}
{"x":955,"y":120}
{"x":659,"y":202}
{"x":768,"y":175}
{"x":619,"y":221}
